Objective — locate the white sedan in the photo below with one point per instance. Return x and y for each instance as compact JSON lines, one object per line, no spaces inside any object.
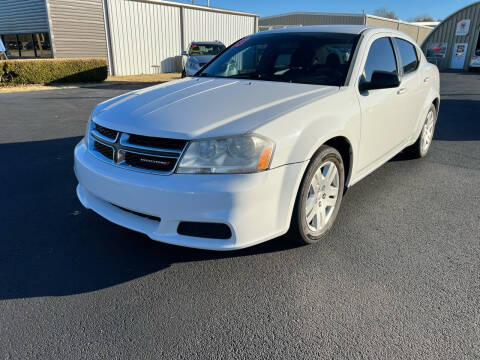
{"x":264,"y":140}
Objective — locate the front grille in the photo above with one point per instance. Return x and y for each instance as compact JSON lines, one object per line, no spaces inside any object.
{"x":144,"y":161}
{"x":109,"y":133}
{"x":136,"y":152}
{"x":154,"y":142}
{"x":106,"y":151}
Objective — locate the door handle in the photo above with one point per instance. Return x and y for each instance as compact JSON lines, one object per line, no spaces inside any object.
{"x":401,"y":91}
{"x":427,"y":79}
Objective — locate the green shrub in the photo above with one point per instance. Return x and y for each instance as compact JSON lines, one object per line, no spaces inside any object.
{"x":52,"y":71}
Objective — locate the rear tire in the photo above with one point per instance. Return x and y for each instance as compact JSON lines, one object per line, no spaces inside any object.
{"x":420,"y":148}
{"x":319,"y":197}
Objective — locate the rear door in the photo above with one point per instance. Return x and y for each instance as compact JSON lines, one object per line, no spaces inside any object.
{"x":380,"y":130}
{"x":413,"y":87}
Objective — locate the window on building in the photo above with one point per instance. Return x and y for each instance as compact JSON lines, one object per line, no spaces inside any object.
{"x":27,"y":46}
{"x":408,"y":55}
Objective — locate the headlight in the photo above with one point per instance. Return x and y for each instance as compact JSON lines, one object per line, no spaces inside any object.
{"x":236,"y":154}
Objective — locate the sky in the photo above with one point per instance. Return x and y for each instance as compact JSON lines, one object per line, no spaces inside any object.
{"x":404,"y":9}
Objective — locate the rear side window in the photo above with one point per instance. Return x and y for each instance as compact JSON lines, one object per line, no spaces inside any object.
{"x":380,"y":58}
{"x":408,"y":55}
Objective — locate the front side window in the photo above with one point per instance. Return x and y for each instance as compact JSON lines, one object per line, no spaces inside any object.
{"x":306,"y":58}
{"x":380,"y":58}
{"x":408,"y":55}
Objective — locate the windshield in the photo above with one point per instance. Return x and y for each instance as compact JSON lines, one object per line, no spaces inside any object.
{"x":306,"y":58}
{"x":206,"y":49}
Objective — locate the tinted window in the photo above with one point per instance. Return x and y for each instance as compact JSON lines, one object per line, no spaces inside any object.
{"x":27,"y":45}
{"x":408,"y":55}
{"x":380,"y":58}
{"x":307,"y":58}
{"x":206,"y":49}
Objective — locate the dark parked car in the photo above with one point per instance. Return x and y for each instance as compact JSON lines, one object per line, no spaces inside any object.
{"x":14,"y":45}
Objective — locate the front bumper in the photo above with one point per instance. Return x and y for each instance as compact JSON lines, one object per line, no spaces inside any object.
{"x":256,"y":207}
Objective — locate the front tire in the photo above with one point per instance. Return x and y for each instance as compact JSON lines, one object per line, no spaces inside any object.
{"x":319,"y":197}
{"x":420,"y":148}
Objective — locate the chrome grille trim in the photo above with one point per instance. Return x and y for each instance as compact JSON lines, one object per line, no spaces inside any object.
{"x":101,"y":137}
{"x":121,"y":146}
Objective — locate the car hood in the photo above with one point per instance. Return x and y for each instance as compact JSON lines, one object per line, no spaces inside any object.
{"x":203,"y":107}
{"x":201,"y":59}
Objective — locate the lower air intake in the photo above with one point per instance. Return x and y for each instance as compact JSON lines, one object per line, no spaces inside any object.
{"x":204,"y":230}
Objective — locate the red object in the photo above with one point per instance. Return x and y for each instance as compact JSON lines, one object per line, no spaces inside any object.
{"x":436,"y":48}
{"x":241,"y":42}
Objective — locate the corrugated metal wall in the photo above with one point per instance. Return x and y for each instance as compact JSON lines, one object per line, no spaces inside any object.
{"x":422,"y":35}
{"x":417,"y":33}
{"x":208,"y":25}
{"x":306,"y":19}
{"x":23,"y":16}
{"x":77,"y":28}
{"x":445,"y":32}
{"x":146,"y":37}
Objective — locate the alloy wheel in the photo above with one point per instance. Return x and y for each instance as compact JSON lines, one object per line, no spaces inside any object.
{"x":427,"y":133}
{"x":322,"y":196}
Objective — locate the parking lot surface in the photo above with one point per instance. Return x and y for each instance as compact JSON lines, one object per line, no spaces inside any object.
{"x":398,"y":277}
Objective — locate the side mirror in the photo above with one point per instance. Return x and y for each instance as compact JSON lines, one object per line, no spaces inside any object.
{"x":381,"y":80}
{"x":184,"y":53}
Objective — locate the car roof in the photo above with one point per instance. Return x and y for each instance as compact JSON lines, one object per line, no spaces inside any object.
{"x":340,"y":29}
{"x":216,"y":42}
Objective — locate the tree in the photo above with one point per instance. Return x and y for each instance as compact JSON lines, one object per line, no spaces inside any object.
{"x":382,"y":12}
{"x":423,"y":18}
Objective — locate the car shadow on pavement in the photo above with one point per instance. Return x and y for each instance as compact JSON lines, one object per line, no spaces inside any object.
{"x":459,"y":120}
{"x":453,"y":125}
{"x":51,"y":246}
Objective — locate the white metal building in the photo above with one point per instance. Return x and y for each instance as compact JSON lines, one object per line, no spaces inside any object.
{"x":137,"y":36}
{"x":148,"y":36}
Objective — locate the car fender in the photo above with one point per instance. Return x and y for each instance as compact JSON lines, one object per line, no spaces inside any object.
{"x":300,"y":133}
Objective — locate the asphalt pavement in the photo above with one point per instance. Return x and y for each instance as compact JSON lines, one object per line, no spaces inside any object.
{"x":397,"y":278}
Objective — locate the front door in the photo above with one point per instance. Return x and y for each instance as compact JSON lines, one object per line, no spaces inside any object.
{"x":381,"y":109}
{"x":459,"y":55}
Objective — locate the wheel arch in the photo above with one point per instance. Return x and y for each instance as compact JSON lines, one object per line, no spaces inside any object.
{"x":344,"y":147}
{"x":436,"y":103}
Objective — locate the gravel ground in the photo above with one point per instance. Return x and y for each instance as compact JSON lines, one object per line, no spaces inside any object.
{"x":397,"y":278}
